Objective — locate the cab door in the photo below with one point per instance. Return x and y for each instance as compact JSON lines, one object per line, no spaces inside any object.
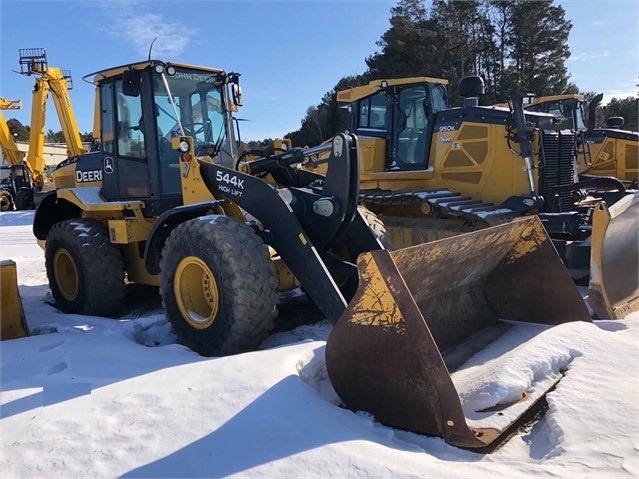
{"x":125,"y":162}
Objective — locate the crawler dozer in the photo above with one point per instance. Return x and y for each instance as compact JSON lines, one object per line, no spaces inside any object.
{"x":170,"y":201}
{"x":606,"y":151}
{"x":430,"y":171}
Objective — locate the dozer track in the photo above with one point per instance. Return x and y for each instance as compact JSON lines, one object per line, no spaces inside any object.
{"x":444,"y":201}
{"x":613,"y":244}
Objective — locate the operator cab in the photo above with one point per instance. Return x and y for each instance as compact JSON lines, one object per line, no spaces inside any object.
{"x":569,"y":110}
{"x":403,"y":115}
{"x":142,"y":107}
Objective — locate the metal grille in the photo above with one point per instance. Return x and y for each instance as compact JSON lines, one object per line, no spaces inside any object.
{"x":557,"y":170}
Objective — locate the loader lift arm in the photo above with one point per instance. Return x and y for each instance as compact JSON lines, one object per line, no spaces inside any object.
{"x":302,"y":223}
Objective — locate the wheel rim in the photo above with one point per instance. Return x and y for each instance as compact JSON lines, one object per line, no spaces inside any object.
{"x":196,"y":292}
{"x":66,"y":274}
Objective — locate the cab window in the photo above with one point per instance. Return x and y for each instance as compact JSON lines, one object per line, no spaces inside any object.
{"x":372,"y":112}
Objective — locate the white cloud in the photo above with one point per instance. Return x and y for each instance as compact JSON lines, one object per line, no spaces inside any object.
{"x":619,"y":94}
{"x":586,"y":56}
{"x":129,"y":23}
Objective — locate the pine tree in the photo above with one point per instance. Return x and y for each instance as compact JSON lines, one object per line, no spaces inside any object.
{"x":409,"y":46}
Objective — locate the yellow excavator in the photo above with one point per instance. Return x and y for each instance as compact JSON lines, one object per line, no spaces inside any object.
{"x":430,"y":171}
{"x":169,"y":200}
{"x":608,"y":151}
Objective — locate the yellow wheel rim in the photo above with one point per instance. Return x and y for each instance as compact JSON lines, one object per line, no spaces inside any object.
{"x":196,"y":292}
{"x":4,"y":203}
{"x":66,"y":274}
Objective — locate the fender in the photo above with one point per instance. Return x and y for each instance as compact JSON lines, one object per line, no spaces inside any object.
{"x":165,"y":224}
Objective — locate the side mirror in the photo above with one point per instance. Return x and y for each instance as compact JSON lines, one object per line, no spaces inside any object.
{"x":237,"y":94}
{"x":131,"y":83}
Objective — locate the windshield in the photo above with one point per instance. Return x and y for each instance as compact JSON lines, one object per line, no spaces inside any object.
{"x":196,"y":104}
{"x":580,"y":117}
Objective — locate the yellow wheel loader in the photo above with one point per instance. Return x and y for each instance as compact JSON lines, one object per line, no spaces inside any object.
{"x":168,"y":200}
{"x":430,"y":171}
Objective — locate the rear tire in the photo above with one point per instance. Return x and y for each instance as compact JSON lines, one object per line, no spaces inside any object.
{"x":85,"y":270}
{"x":218,"y":286}
{"x":24,"y":200}
{"x":6,"y":201}
{"x":378,"y":227}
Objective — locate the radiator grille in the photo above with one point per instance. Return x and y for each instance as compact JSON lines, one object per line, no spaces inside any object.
{"x":557,"y":170}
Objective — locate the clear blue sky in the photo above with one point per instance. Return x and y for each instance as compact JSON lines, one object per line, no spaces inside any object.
{"x":290,"y":53}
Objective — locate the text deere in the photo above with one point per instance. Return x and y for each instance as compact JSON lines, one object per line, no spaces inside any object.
{"x":86,"y":176}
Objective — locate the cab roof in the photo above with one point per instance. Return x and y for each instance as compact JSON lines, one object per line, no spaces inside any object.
{"x":116,"y":71}
{"x":359,"y":92}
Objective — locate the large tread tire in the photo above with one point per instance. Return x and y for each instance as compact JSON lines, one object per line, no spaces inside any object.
{"x":348,"y":285}
{"x":85,"y":270}
{"x":24,"y":200}
{"x":6,"y":200}
{"x":378,"y":227}
{"x":218,"y":286}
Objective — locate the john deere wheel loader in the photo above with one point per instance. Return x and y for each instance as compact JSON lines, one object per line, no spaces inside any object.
{"x":431,"y":171}
{"x":168,"y":201}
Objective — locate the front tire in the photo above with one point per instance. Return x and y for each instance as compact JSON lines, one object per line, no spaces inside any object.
{"x":6,"y":201}
{"x":24,"y":200}
{"x":348,"y":285}
{"x":85,"y":270}
{"x":218,"y":286}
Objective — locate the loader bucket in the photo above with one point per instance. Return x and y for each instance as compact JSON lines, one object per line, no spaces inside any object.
{"x":386,"y":353}
{"x":13,"y":323}
{"x":613,"y":291}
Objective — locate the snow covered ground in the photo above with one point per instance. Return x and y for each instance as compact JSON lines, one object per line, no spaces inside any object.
{"x":94,"y":397}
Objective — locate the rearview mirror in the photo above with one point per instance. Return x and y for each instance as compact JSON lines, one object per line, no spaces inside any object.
{"x":131,"y":83}
{"x":237,"y":94}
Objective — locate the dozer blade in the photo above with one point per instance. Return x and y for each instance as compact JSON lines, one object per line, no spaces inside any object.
{"x":385,"y":353}
{"x":13,"y":323}
{"x":613,"y":291}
